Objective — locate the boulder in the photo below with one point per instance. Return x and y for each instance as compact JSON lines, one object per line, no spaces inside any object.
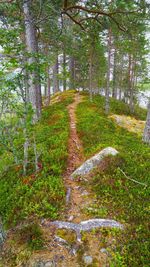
{"x":91,"y":163}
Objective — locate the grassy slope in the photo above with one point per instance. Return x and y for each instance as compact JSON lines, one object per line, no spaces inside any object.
{"x":120,"y":198}
{"x":41,"y":194}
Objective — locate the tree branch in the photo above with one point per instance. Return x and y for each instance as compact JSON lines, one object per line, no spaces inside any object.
{"x":91,"y":18}
{"x":100,"y":12}
{"x":74,"y":20}
{"x":97,"y":12}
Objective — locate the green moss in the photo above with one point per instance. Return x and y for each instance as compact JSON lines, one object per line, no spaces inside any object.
{"x":96,"y":210}
{"x":68,"y":235}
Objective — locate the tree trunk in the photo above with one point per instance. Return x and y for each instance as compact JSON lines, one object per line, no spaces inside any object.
{"x":32,"y":48}
{"x":72,"y":73}
{"x":107,"y":90}
{"x":90,"y":74}
{"x":120,"y":81}
{"x":130,"y":83}
{"x":26,"y":147}
{"x":55,"y":76}
{"x":35,"y":155}
{"x":114,"y":91}
{"x":146,"y":134}
{"x":48,"y":88}
{"x":64,"y":70}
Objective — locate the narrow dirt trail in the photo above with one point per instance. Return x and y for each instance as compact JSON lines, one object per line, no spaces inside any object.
{"x":75,"y":149}
{"x":75,"y":193}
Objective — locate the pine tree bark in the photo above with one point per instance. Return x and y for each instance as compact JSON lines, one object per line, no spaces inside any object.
{"x":120,"y":80}
{"x":107,"y":90}
{"x":146,"y":134}
{"x":90,"y":74}
{"x":72,"y":73}
{"x":55,"y":76}
{"x":130,"y":91}
{"x":48,"y":88}
{"x":130,"y":81}
{"x":64,"y":70}
{"x":114,"y":91}
{"x":33,"y":72}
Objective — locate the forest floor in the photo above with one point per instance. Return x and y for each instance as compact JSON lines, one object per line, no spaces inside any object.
{"x":107,"y":192}
{"x":78,"y":199}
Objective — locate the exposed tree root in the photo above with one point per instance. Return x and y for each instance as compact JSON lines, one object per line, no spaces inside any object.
{"x":86,"y":225}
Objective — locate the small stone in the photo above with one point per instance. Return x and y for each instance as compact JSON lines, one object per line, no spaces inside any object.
{"x":104,"y":250}
{"x":49,"y":264}
{"x":87,"y":259}
{"x":73,"y":252}
{"x":85,"y":193}
{"x":39,"y":264}
{"x":43,"y":221}
{"x":60,"y":240}
{"x":71,"y":218}
{"x":62,"y":258}
{"x":74,"y":249}
{"x":78,"y":187}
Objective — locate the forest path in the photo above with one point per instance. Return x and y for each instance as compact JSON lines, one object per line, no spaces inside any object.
{"x":76,"y":197}
{"x":75,"y":149}
{"x":65,"y":244}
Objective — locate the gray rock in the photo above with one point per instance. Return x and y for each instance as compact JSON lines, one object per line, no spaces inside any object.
{"x":60,"y":240}
{"x":73,"y":252}
{"x":87,"y":259}
{"x":104,"y":250}
{"x":88,"y":165}
{"x":71,"y":218}
{"x":74,"y":249}
{"x":84,"y":193}
{"x":49,"y":264}
{"x":39,"y":264}
{"x":42,"y":263}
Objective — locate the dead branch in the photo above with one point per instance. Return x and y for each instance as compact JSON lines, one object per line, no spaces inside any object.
{"x":133,"y":180}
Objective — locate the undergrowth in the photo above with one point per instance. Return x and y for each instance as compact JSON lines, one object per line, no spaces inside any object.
{"x":38,"y":194}
{"x":124,"y":200}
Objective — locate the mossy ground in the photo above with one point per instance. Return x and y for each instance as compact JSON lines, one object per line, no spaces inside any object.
{"x":38,"y":194}
{"x":124,"y":200}
{"x":42,"y":194}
